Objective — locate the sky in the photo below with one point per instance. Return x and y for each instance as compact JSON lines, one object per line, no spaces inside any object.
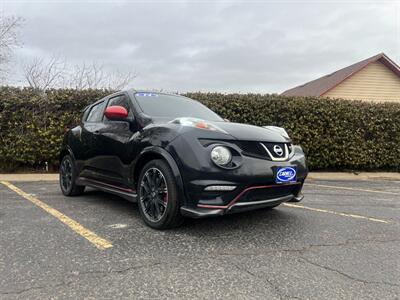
{"x":223,"y":46}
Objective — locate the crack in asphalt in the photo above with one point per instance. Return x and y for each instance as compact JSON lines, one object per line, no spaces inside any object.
{"x":277,"y":291}
{"x":122,"y":271}
{"x":310,"y":247}
{"x":345,"y":274}
{"x":19,"y":292}
{"x":348,"y":242}
{"x":70,"y":278}
{"x":302,"y":250}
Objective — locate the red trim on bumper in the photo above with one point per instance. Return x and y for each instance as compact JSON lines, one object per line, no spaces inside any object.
{"x":242,"y":193}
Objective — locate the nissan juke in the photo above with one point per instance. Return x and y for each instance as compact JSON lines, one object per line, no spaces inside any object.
{"x":177,"y":158}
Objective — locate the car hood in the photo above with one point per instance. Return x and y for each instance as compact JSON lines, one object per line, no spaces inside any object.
{"x":252,"y":133}
{"x":238,"y":131}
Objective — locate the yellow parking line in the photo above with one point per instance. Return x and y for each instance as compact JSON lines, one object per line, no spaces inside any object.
{"x":75,"y":226}
{"x":336,"y":213}
{"x":353,"y":189}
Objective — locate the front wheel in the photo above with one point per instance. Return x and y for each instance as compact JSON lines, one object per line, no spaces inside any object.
{"x":68,"y":176}
{"x":158,"y":197}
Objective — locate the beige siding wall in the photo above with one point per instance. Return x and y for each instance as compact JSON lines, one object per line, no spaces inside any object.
{"x":375,"y":82}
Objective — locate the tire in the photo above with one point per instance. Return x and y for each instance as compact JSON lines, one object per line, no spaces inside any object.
{"x":159,"y":201}
{"x":68,"y":176}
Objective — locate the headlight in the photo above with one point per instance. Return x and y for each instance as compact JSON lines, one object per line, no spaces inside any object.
{"x":221,"y":155}
{"x":198,"y":123}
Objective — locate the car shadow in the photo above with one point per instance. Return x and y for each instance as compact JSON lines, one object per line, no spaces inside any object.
{"x":111,"y":202}
{"x":256,"y":221}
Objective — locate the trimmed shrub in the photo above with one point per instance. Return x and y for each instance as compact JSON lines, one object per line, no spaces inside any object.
{"x":32,"y":126}
{"x":335,"y":134}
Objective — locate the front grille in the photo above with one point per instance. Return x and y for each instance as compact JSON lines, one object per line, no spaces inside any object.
{"x":274,"y":147}
{"x":253,"y":149}
{"x":259,"y":149}
{"x":268,"y":193}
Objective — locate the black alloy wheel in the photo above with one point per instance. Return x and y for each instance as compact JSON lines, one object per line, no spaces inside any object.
{"x":154,"y":194}
{"x":67,"y":178}
{"x":159,"y":200}
{"x":66,"y":174}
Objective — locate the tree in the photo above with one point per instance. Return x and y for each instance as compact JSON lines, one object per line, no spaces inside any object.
{"x":42,"y":75}
{"x":95,"y":76}
{"x":8,"y":41}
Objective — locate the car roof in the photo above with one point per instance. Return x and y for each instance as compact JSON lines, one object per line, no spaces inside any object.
{"x":134,"y":91}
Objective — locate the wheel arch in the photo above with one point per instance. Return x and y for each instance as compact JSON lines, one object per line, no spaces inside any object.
{"x":65,"y":151}
{"x":152,"y":153}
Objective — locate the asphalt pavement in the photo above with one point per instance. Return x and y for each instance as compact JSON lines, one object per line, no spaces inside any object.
{"x":341,"y":242}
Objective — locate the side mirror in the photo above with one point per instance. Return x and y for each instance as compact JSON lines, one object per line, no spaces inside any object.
{"x":116,"y":113}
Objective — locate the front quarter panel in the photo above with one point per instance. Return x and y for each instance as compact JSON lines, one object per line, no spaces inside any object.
{"x":198,"y":170}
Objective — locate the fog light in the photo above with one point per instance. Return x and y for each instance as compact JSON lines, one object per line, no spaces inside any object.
{"x":221,"y":155}
{"x":220,"y":188}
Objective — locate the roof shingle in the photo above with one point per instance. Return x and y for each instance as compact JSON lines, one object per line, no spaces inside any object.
{"x":320,"y":86}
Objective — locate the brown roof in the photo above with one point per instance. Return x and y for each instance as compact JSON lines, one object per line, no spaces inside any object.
{"x":322,"y":85}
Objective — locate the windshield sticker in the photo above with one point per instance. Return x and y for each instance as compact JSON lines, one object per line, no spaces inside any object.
{"x":146,"y":94}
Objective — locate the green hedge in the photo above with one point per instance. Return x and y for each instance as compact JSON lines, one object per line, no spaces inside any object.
{"x":335,"y":134}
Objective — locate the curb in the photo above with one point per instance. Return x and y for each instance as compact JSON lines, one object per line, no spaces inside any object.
{"x":29,"y":177}
{"x":388,"y":176}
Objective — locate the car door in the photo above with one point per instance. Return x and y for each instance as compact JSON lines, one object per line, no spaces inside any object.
{"x":114,"y":142}
{"x":91,"y":127}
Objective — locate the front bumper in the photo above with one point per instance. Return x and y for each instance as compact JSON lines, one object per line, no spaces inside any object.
{"x":253,"y":179}
{"x":235,"y":206}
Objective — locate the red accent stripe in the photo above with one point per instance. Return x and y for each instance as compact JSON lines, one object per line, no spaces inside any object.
{"x":241,"y":194}
{"x":110,"y":185}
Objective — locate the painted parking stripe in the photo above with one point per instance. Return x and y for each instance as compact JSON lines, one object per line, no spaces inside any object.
{"x":336,"y":213}
{"x":75,"y":226}
{"x":352,"y":189}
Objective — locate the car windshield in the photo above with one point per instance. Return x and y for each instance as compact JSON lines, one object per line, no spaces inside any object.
{"x":171,"y":107}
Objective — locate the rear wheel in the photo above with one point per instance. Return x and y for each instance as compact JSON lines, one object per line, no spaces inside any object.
{"x":68,"y":177}
{"x":159,"y":200}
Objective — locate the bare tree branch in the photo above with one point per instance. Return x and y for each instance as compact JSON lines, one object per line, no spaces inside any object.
{"x":42,"y":75}
{"x":119,"y":80}
{"x":8,"y":40}
{"x":95,"y":76}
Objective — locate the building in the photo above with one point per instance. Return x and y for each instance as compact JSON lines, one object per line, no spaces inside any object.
{"x":374,"y":79}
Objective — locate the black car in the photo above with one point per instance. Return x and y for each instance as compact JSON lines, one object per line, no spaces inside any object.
{"x":177,"y":158}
